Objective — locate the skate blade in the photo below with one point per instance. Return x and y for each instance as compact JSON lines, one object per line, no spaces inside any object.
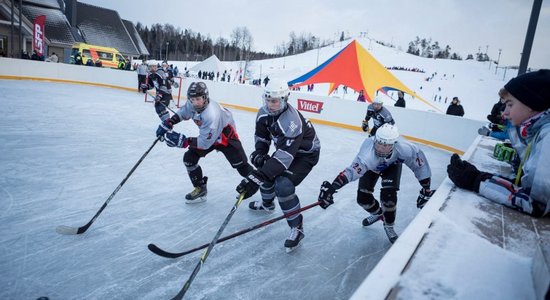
{"x":290,"y":249}
{"x":198,"y":200}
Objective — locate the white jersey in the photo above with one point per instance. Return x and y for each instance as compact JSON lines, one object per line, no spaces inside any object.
{"x":403,"y":152}
{"x":211,"y":122}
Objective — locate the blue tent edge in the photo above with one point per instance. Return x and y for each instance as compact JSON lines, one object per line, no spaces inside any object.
{"x":314,"y":71}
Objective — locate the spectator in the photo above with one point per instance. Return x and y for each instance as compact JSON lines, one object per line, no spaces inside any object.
{"x":35,"y":56}
{"x":266,"y":80}
{"x":53,"y":58}
{"x":78,"y":58}
{"x":89,"y":61}
{"x":142,"y":74}
{"x":361,"y":97}
{"x":496,"y":113}
{"x":527,"y":99}
{"x":455,"y":108}
{"x":121,"y":64}
{"x":400,"y":100}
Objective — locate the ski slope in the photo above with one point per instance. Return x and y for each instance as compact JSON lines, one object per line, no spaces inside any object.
{"x":65,"y":148}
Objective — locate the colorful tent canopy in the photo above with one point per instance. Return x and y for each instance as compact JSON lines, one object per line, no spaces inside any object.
{"x":354,"y":67}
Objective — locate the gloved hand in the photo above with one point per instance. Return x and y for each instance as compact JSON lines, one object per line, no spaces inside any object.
{"x":164,"y":127}
{"x":325,"y":195}
{"x":251,"y":183}
{"x":465,"y":175}
{"x":158,"y":97}
{"x":365,"y":126}
{"x":144,"y":86}
{"x":258,"y":158}
{"x":174,"y":139}
{"x":424,"y":197}
{"x":484,"y":131}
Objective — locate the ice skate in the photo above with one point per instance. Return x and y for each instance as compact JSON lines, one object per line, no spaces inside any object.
{"x":293,"y":241}
{"x":198,"y":194}
{"x":372,"y":219}
{"x":261,"y":205}
{"x":392,"y":236}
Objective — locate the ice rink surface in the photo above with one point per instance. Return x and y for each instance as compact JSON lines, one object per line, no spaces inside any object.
{"x":64,"y":148}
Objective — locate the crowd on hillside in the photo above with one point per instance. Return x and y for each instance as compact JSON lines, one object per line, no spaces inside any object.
{"x":406,"y":69}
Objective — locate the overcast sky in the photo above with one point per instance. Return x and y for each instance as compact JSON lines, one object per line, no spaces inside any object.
{"x":465,"y":25}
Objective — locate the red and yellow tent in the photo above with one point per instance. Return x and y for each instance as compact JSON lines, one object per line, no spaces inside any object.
{"x":354,"y":67}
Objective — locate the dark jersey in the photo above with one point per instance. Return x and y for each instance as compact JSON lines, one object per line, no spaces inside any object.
{"x":292,"y":135}
{"x":380,"y":117}
{"x":160,"y":82}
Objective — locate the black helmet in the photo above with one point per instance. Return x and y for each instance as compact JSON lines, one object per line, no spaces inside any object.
{"x":198,"y":89}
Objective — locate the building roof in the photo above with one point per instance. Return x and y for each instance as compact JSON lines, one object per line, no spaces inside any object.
{"x":44,"y":3}
{"x":58,"y":30}
{"x":101,"y":26}
{"x":135,"y":37}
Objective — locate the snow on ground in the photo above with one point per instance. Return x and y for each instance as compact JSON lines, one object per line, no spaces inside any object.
{"x":65,"y":148}
{"x":475,"y":83}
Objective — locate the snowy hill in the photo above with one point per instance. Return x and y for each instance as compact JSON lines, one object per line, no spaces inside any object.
{"x":474,"y":83}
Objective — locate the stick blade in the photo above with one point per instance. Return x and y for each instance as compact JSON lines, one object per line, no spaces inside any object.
{"x":155,"y":249}
{"x":67,"y":230}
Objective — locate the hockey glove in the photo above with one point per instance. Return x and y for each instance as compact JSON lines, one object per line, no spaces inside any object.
{"x":258,"y":158}
{"x":424,"y":197}
{"x":144,"y":87}
{"x":365,"y":126}
{"x":164,"y":127}
{"x":465,"y":175}
{"x":251,"y":183}
{"x":174,"y":139}
{"x":326,"y":194}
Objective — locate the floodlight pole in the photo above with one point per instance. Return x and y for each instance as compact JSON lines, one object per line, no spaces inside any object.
{"x":529,"y":37}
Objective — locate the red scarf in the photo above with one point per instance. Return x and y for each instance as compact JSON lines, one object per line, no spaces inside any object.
{"x":527,"y":123}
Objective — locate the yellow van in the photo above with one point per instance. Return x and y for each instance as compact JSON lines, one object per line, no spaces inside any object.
{"x":109,"y":57}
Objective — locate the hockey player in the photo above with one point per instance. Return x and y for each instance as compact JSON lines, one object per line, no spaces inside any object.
{"x":158,"y":79}
{"x":169,"y":74}
{"x":296,"y":153}
{"x":382,"y":156}
{"x":216,"y":132}
{"x":379,"y":114}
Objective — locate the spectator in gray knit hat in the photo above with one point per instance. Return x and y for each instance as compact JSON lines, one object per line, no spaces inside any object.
{"x":527,"y":99}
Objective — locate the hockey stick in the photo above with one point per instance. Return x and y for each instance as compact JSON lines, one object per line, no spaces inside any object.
{"x":187,"y":284}
{"x":62,"y":229}
{"x":158,"y":251}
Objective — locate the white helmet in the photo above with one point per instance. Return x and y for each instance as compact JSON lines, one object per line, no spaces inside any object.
{"x":378,"y":100}
{"x":385,"y":139}
{"x":276,"y":89}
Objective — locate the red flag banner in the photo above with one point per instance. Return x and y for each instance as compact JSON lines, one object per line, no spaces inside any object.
{"x":38,"y":35}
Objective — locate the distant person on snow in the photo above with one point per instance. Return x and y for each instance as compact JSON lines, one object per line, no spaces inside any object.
{"x":361,"y":97}
{"x":217,"y":131}
{"x":455,"y":108}
{"x":297,"y":149}
{"x":379,"y":115}
{"x":400,"y":100}
{"x":527,"y":99}
{"x":382,"y":156}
